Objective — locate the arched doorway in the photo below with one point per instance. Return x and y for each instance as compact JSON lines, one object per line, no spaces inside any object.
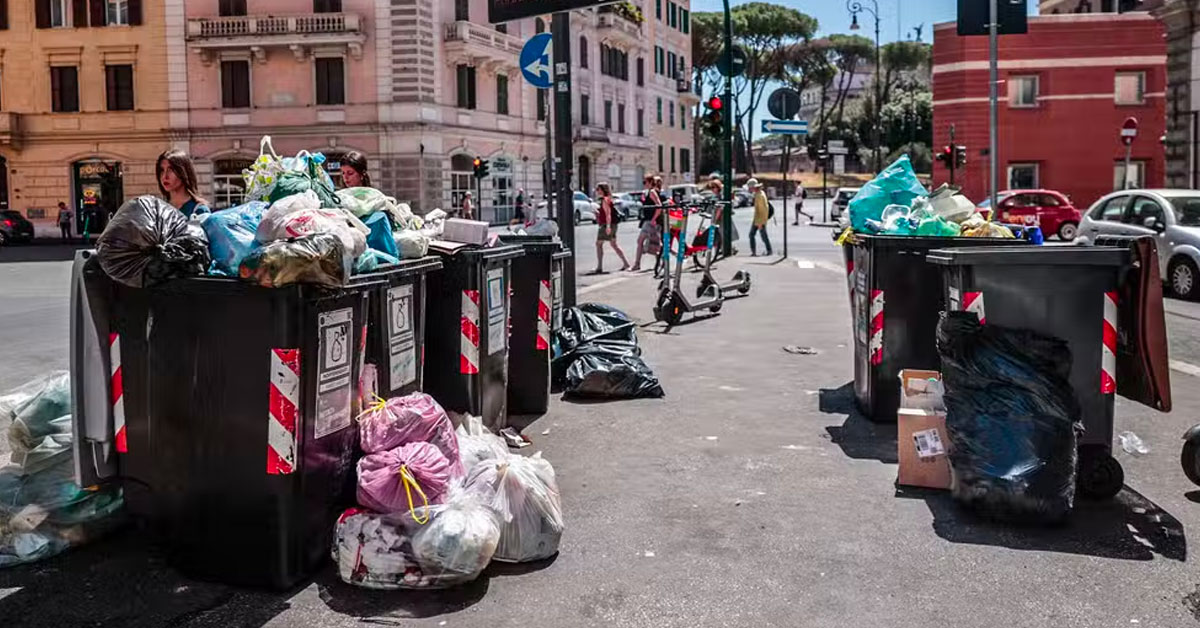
{"x":585,"y":174}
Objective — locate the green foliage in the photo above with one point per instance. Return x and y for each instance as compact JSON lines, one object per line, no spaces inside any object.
{"x":908,"y":117}
{"x":629,"y":11}
{"x":918,"y":153}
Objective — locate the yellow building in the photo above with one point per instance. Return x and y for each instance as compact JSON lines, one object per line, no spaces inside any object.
{"x":84,"y":112}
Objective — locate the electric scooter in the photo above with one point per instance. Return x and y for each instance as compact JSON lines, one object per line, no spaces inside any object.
{"x":740,"y":282}
{"x":672,"y":303}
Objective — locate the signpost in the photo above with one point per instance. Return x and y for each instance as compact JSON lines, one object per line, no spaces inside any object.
{"x":1129,"y":131}
{"x":784,"y":103}
{"x":785,"y":127}
{"x":535,"y":61}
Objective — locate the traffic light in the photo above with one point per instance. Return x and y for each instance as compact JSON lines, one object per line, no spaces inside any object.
{"x":960,"y":155}
{"x":481,"y":168}
{"x":713,"y":122}
{"x":946,"y":156}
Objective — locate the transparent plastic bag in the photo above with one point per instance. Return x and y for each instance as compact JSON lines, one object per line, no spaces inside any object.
{"x":528,"y":499}
{"x":411,"y":243}
{"x":897,"y":184}
{"x":460,"y":539}
{"x":314,"y":259}
{"x":231,"y":236}
{"x":38,"y":401}
{"x":261,"y":176}
{"x":477,"y":445}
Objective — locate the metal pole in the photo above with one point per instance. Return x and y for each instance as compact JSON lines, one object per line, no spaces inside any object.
{"x":825,"y":186}
{"x":993,"y":97}
{"x":1125,"y":185}
{"x":787,"y":154}
{"x":727,"y":139}
{"x":548,"y":168}
{"x":561,"y":32}
{"x":953,"y":155}
{"x":878,"y":91}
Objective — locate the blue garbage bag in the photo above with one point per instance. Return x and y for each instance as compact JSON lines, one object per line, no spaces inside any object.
{"x":231,"y":236}
{"x":372,"y":259}
{"x":896,"y":185}
{"x":381,"y":238}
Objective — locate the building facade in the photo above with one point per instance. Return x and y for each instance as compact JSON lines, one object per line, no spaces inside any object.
{"x":84,"y":105}
{"x":1181,"y":19}
{"x":1065,"y":95}
{"x":1058,"y":7}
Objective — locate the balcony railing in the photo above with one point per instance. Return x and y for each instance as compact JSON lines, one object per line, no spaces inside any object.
{"x":621,"y":24}
{"x":268,"y":25}
{"x":481,"y":35}
{"x":593,"y":134}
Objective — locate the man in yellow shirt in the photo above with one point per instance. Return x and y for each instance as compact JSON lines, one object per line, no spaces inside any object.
{"x":762,"y":213}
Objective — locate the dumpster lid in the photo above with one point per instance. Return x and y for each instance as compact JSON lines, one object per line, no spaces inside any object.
{"x":1031,"y":256}
{"x":490,"y":254}
{"x":406,"y":267}
{"x":533,"y":244}
{"x":933,"y":242}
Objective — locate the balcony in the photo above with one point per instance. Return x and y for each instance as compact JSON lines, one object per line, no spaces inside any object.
{"x":258,"y":32}
{"x":615,"y":24}
{"x":683,"y":87}
{"x":10,"y":129}
{"x":592,"y":134}
{"x":479,"y":44}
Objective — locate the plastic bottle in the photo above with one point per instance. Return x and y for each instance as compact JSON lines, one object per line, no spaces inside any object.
{"x":1132,"y":444}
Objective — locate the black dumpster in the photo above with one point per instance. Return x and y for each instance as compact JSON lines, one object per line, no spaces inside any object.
{"x":396,"y":330}
{"x":466,"y":347}
{"x":533,"y":298}
{"x":897,"y":298}
{"x":1066,"y":292}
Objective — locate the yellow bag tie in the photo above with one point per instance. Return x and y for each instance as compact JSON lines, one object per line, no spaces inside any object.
{"x":409,"y":483}
{"x":378,"y":405}
{"x":847,"y":235}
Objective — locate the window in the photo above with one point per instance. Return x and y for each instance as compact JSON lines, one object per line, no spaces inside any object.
{"x":1137,"y":172}
{"x":1113,"y":210}
{"x":672,"y":160}
{"x":683,"y":118}
{"x":659,"y":58}
{"x":1187,"y":210}
{"x":660,"y":110}
{"x":660,"y":158}
{"x":1022,"y":176}
{"x":118,"y":87}
{"x":1023,"y":91}
{"x":502,"y":94}
{"x":465,"y":76}
{"x":502,"y":28}
{"x":685,"y":160}
{"x":1130,"y":88}
{"x":64,"y":89}
{"x":462,"y":177}
{"x":608,"y":114}
{"x":52,"y":13}
{"x":539,"y":25}
{"x":583,"y":53}
{"x":585,"y":109}
{"x":327,"y":6}
{"x":672,"y":14}
{"x":331,"y":81}
{"x":684,"y":21}
{"x":671,"y":111}
{"x":658,"y":14}
{"x":604,"y":60}
{"x":641,"y":72}
{"x":541,"y":105}
{"x":118,"y":12}
{"x":620,"y":118}
{"x":228,"y":8}
{"x":1048,"y":200}
{"x":462,"y":10}
{"x":1143,"y":209}
{"x":641,"y":122}
{"x":3,"y":173}
{"x":229,"y":187}
{"x":672,"y":68}
{"x":235,"y":84}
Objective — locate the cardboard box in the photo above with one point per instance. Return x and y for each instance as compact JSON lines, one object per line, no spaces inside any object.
{"x":921,"y":435}
{"x":465,"y":231}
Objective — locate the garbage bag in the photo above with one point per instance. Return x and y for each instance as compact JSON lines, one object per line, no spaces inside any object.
{"x":261,"y":176}
{"x":598,"y":355}
{"x":148,"y":242}
{"x":1012,"y":419}
{"x":317,"y":259}
{"x":364,"y":201}
{"x":477,"y":445}
{"x":379,"y":236}
{"x":542,"y":227}
{"x":411,"y":243}
{"x":896,"y":185}
{"x":295,"y":216}
{"x":590,"y":322}
{"x":460,"y":540}
{"x":404,"y":478}
{"x":413,"y":418}
{"x":231,"y":236}
{"x":295,"y":175}
{"x":371,"y":260}
{"x":527,"y":497}
{"x":38,"y":415}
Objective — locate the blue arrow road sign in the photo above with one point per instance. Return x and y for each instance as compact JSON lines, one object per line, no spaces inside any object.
{"x":785,"y":127}
{"x":535,"y":61}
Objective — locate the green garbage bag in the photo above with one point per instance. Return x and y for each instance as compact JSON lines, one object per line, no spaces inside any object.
{"x":296,"y":182}
{"x":938,"y":226}
{"x":896,"y":185}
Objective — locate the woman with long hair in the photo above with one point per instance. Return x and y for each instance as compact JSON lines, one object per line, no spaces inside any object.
{"x":651,"y":227}
{"x":606,"y":228}
{"x":354,"y":170}
{"x":178,"y":183}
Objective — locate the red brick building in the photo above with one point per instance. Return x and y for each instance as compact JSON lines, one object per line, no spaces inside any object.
{"x":1065,"y":89}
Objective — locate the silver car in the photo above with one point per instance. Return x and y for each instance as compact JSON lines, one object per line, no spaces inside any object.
{"x":1171,"y":216}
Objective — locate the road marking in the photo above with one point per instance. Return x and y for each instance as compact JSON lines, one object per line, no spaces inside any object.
{"x":836,"y":269}
{"x":1185,"y":368}
{"x":804,"y":264}
{"x":602,"y":284}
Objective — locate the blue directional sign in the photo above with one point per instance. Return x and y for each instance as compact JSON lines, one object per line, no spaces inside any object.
{"x":785,"y":127}
{"x":535,"y":61}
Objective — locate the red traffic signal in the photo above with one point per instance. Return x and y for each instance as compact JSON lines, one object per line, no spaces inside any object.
{"x":715,"y":103}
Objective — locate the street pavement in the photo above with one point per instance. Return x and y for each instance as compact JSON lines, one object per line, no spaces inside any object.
{"x":752,"y":495}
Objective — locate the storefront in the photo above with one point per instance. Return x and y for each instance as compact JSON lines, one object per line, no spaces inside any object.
{"x":98,"y":193}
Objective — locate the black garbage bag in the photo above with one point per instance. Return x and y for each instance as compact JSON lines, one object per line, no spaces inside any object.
{"x":318,"y":258}
{"x":1012,"y":418}
{"x":148,"y":242}
{"x":598,"y":356}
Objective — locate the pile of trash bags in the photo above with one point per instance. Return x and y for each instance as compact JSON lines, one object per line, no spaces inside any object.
{"x":596,"y":355}
{"x":440,"y":502}
{"x":895,"y":203}
{"x":42,"y":511}
{"x":294,"y":228}
{"x":1012,"y":418}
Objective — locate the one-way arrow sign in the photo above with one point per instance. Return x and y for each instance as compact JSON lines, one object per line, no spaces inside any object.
{"x":785,"y":127}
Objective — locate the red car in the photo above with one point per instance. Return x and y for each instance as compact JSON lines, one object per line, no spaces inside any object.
{"x":1050,"y":210}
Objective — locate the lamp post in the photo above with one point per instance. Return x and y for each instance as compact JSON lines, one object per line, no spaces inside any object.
{"x":855,"y":7}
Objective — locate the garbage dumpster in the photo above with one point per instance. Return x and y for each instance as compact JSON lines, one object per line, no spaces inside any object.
{"x":1073,"y":293}
{"x":396,"y":330}
{"x":536,"y":287}
{"x":466,"y":349}
{"x":896,"y":301}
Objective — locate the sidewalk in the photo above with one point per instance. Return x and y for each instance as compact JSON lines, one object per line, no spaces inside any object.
{"x":752,"y":495}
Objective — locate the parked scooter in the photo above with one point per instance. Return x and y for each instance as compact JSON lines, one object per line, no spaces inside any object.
{"x":740,"y":282}
{"x":671,"y":303}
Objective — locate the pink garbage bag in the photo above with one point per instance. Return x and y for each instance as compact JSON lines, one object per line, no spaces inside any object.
{"x":410,"y":419}
{"x":403,"y":479}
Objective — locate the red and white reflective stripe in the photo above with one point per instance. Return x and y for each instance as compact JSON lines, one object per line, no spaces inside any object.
{"x":468,"y":362}
{"x":1108,"y":354}
{"x":117,"y":379}
{"x":973,"y":303}
{"x":543,"y":318}
{"x":876,"y":344}
{"x":283,"y":410}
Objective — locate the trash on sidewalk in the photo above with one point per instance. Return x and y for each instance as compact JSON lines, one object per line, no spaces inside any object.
{"x":798,"y":350}
{"x":148,"y":242}
{"x":404,"y":478}
{"x":528,"y":496}
{"x":921,"y":431}
{"x":514,"y":439}
{"x":476,"y":444}
{"x":599,"y":356}
{"x":412,"y":418}
{"x":1012,"y":418}
{"x":1133,"y":444}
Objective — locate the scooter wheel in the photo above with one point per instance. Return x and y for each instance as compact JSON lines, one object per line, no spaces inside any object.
{"x":716,"y":308}
{"x":1100,"y":475}
{"x":1190,"y":459}
{"x":744,"y":289}
{"x":673,"y":312}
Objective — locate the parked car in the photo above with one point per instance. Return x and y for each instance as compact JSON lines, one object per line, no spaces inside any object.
{"x":14,"y":227}
{"x":627,"y":204}
{"x":585,"y":208}
{"x":742,"y":197}
{"x":1048,"y":209}
{"x":841,"y":200}
{"x":684,"y":192}
{"x":1171,"y":216}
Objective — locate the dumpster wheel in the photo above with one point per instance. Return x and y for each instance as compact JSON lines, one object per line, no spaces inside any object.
{"x":1100,"y":475}
{"x":1190,"y":459}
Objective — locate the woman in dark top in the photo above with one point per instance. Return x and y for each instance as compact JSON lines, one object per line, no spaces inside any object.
{"x":606,"y":228}
{"x":354,"y":170}
{"x":178,"y":183}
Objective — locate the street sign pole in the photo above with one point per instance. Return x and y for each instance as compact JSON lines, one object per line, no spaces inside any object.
{"x":993,"y":97}
{"x":825,"y":186}
{"x":787,"y":157}
{"x":1129,"y":131}
{"x":953,"y":155}
{"x":561,"y":33}
{"x":727,"y":139}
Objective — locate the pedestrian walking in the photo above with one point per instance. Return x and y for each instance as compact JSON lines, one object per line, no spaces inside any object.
{"x":354,"y":170}
{"x":468,"y":207}
{"x":649,"y":221}
{"x":801,"y":196}
{"x":762,"y":213}
{"x":519,"y":209}
{"x":606,"y":228}
{"x":64,"y":221}
{"x":178,"y":183}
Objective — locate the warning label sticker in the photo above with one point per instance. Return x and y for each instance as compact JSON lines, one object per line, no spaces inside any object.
{"x":497,"y":311}
{"x":334,"y":394}
{"x":929,"y":443}
{"x":556,"y":297}
{"x":402,"y":345}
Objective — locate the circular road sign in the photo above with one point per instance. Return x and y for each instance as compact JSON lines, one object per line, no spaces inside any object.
{"x":1129,"y":130}
{"x":784,"y":103}
{"x":739,"y":63}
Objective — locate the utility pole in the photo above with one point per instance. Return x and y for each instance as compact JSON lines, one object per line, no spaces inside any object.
{"x":561,"y":33}
{"x":727,"y":138}
{"x":953,"y":155}
{"x":993,"y":97}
